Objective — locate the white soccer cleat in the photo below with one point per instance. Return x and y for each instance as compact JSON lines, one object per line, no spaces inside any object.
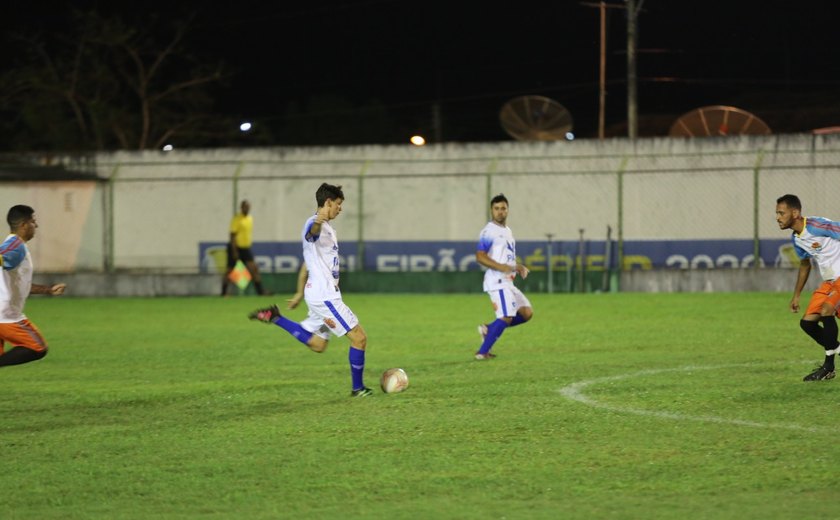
{"x":482,"y":329}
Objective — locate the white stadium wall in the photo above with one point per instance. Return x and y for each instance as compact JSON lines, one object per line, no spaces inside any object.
{"x":70,"y":235}
{"x":155,"y":207}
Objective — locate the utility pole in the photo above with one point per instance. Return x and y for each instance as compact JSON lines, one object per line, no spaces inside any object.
{"x":632,"y":106}
{"x":602,"y":76}
{"x":437,"y":125}
{"x":437,"y":120}
{"x":602,"y":65}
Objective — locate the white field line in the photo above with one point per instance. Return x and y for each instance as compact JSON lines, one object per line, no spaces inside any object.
{"x":575,"y":392}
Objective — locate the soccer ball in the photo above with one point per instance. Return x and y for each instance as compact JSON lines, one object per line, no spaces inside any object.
{"x":393,"y":380}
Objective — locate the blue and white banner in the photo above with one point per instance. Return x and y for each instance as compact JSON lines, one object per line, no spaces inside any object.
{"x":399,"y":257}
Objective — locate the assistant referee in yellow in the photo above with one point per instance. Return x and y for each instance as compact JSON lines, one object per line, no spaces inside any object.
{"x":239,"y":247}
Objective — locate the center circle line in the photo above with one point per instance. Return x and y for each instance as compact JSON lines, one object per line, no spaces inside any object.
{"x":575,"y":392}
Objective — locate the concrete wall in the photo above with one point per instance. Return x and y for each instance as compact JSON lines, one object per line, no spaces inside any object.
{"x":715,"y":280}
{"x":156,"y":207}
{"x":668,"y":281}
{"x":71,"y":222}
{"x":132,"y":284}
{"x":663,"y":187}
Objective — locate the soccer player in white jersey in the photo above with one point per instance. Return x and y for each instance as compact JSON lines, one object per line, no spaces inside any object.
{"x":816,"y":238}
{"x":16,"y":331}
{"x":497,"y":252}
{"x":327,"y":312}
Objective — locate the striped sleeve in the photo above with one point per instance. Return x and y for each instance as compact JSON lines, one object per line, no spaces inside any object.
{"x":823,"y":227}
{"x":12,"y":252}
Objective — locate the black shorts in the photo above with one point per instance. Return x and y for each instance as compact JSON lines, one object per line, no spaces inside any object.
{"x":245,"y":255}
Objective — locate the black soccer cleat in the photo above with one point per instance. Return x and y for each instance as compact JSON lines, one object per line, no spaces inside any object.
{"x":361,"y":392}
{"x":820,"y":374}
{"x":267,"y":315}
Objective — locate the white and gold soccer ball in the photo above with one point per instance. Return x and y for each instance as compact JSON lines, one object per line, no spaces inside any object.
{"x":393,"y":380}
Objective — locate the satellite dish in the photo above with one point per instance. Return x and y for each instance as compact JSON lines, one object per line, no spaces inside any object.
{"x":828,"y":130}
{"x":718,"y":120}
{"x":535,"y":118}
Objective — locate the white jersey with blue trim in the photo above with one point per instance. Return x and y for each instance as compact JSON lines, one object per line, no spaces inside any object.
{"x":497,"y":241}
{"x":16,"y":278}
{"x":320,"y":253}
{"x":820,"y":240}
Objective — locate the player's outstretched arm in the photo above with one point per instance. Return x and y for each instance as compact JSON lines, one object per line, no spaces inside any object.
{"x":484,"y":259}
{"x":53,"y":290}
{"x":801,"y":279}
{"x":295,"y":300}
{"x":321,"y":216}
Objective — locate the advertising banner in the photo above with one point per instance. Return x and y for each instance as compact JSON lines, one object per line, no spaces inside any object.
{"x":398,"y":257}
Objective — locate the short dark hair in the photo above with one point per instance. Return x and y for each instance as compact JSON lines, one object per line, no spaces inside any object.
{"x":792,"y":201}
{"x":19,"y":214}
{"x":499,"y":198}
{"x":328,"y":192}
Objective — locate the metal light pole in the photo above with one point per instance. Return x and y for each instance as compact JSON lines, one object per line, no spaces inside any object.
{"x":549,"y":263}
{"x":581,"y":255}
{"x":605,"y":284}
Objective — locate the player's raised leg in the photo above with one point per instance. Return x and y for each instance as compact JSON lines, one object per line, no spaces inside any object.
{"x":494,"y":332}
{"x":522,"y":316}
{"x":28,"y":344}
{"x":20,"y":355}
{"x":271,"y":314}
{"x":504,"y":302}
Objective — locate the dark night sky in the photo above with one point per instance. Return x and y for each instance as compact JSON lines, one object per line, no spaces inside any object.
{"x":780,"y":60}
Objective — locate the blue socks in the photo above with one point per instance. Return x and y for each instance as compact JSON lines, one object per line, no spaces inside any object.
{"x":357,"y":367}
{"x":494,"y":331}
{"x":356,"y":356}
{"x":294,"y":329}
{"x":517,"y":320}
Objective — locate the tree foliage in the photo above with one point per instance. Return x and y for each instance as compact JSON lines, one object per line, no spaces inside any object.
{"x":106,"y":84}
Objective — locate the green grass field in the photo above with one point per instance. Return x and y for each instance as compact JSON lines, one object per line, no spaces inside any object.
{"x":604,"y":406}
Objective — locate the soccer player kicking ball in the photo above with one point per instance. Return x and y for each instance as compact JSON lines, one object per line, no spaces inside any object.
{"x":327,"y":312}
{"x":817,"y":238}
{"x":497,"y":252}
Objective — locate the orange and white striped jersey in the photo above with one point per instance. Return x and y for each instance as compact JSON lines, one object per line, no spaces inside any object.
{"x":16,"y":279}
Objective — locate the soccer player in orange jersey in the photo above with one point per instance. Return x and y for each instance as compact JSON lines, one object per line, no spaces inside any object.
{"x":16,"y":331}
{"x":816,"y":238}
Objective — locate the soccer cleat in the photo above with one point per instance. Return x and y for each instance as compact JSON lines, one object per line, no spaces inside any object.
{"x":820,"y":374}
{"x":267,"y":315}
{"x":482,"y":330}
{"x":483,"y":357}
{"x":361,"y":392}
